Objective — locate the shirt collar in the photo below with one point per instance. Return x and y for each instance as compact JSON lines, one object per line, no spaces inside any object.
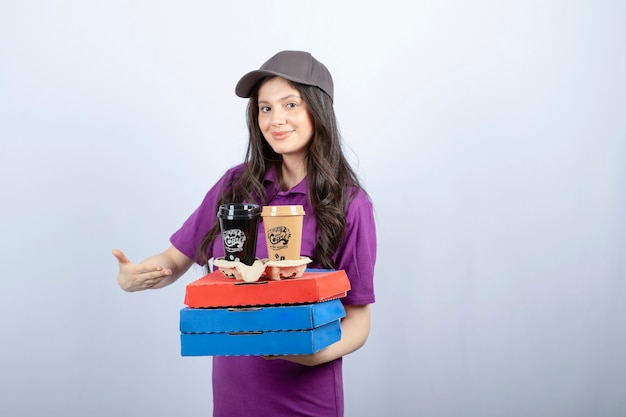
{"x":272,"y":184}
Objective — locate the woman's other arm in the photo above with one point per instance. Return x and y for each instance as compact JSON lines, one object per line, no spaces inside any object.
{"x":355,"y":328}
{"x":157,"y":271}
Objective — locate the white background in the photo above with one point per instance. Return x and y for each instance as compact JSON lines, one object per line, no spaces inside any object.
{"x":491,"y":136}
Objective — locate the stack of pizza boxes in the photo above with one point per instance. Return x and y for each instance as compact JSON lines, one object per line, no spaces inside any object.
{"x":228,"y":317}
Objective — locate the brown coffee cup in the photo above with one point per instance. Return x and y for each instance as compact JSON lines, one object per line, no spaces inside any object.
{"x":283,"y":231}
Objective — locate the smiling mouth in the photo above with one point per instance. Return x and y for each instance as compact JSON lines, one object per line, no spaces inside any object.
{"x":281,"y":135}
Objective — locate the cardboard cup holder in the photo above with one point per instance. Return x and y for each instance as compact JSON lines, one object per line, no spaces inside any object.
{"x":290,"y":268}
{"x":274,"y":270}
{"x":239,"y":270}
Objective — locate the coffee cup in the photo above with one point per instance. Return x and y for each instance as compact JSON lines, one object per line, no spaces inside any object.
{"x":239,"y":224}
{"x":283,"y":231}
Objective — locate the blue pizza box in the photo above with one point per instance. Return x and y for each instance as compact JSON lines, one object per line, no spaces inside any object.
{"x":266,"y":343}
{"x":260,"y":318}
{"x":260,"y":330}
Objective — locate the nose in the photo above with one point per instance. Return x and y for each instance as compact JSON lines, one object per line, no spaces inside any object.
{"x":278,"y":117}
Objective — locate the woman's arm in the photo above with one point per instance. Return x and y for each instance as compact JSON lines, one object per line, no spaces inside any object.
{"x":157,"y":271}
{"x":355,"y":327}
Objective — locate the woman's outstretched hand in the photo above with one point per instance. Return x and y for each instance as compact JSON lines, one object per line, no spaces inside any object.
{"x":136,"y":277}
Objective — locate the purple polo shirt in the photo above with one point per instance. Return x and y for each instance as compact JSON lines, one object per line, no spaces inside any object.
{"x":252,"y":386}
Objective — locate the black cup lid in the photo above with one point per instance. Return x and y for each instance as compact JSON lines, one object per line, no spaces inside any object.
{"x":238,"y":211}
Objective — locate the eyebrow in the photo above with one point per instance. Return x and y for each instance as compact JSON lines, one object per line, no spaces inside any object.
{"x":283,"y":98}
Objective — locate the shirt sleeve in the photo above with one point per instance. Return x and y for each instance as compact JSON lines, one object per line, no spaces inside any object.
{"x":357,"y":253}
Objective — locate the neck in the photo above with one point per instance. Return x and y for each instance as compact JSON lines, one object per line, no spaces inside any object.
{"x":292,"y":173}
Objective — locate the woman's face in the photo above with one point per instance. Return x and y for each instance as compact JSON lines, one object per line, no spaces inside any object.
{"x":284,"y":118}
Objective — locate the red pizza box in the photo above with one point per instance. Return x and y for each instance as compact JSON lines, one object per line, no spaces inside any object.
{"x":217,"y":290}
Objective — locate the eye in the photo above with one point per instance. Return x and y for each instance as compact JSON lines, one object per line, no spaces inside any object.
{"x":292,"y":105}
{"x":265,"y":109}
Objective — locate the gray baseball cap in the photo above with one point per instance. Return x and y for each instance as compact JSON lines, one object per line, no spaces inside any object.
{"x":296,"y":66}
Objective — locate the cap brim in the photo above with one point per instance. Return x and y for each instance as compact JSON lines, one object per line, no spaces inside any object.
{"x":247,"y":83}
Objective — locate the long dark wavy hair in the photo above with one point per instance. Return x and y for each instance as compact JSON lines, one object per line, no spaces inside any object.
{"x":330,"y":179}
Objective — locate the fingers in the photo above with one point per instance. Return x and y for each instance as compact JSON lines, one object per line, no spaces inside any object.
{"x":134,"y":277}
{"x":141,"y":268}
{"x":151,"y":280}
{"x":121,"y":258}
{"x":138,"y":282}
{"x":154,"y":272}
{"x":150,"y":276}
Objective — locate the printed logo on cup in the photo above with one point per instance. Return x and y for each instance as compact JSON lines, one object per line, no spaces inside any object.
{"x":279,"y":237}
{"x":234,"y":240}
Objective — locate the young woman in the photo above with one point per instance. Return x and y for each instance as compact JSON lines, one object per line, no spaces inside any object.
{"x":294,"y":156}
